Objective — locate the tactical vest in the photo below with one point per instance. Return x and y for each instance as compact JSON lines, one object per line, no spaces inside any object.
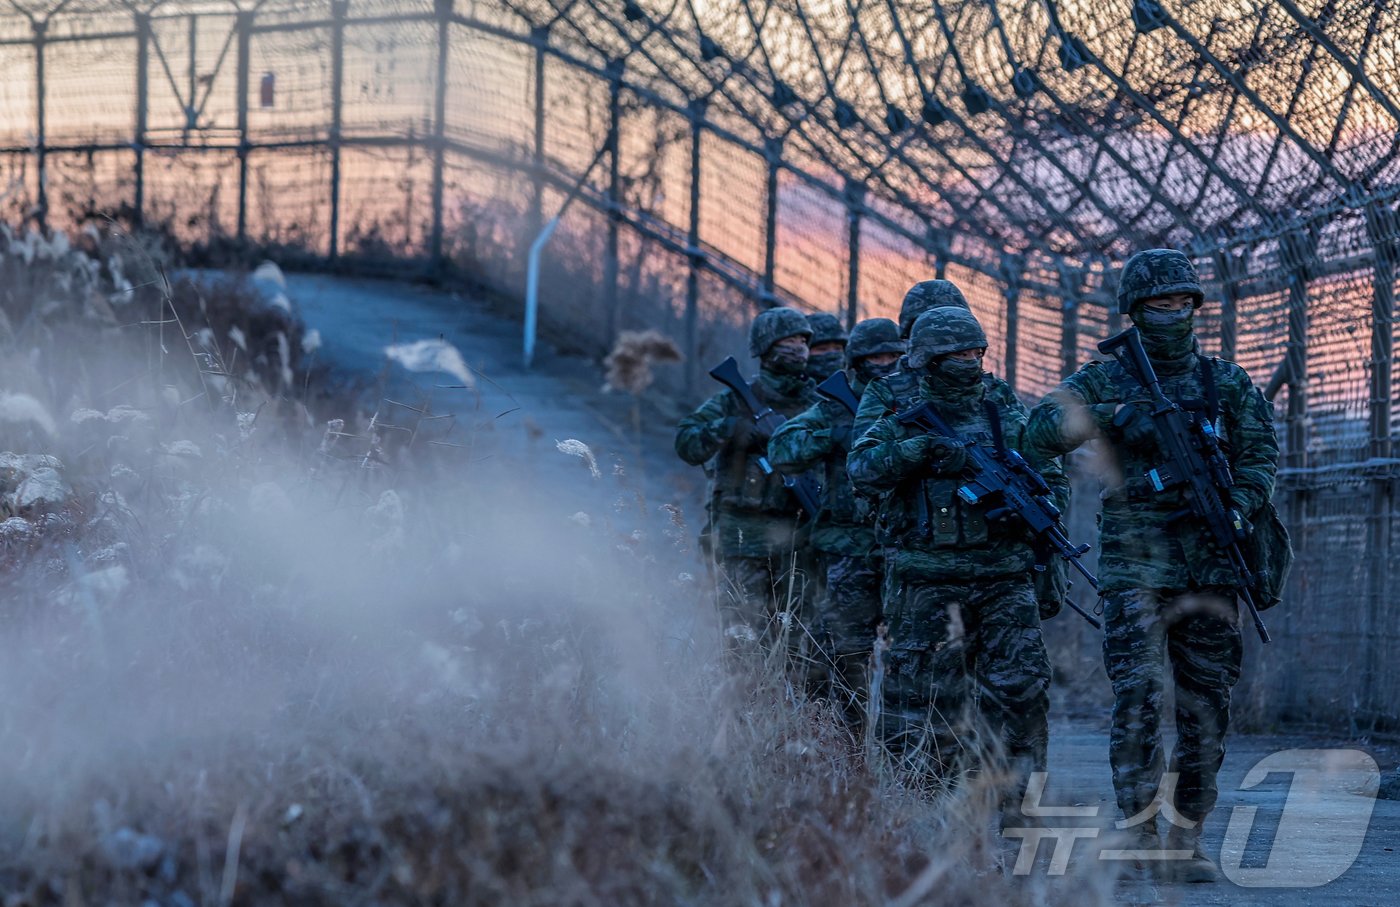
{"x":1197,"y":392}
{"x":928,"y":513}
{"x":841,"y":504}
{"x":740,"y":481}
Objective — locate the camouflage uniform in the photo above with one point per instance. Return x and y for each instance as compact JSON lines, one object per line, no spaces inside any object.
{"x":1166,"y":587}
{"x":963,"y":620}
{"x":843,"y":535}
{"x":755,"y":517}
{"x":1052,"y":583}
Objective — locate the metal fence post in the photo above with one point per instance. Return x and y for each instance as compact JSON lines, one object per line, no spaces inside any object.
{"x":614,"y":215}
{"x":244,"y":25}
{"x":1072,"y":286}
{"x":695,"y":255}
{"x":937,"y":248}
{"x":1296,"y":251}
{"x":1226,"y":269}
{"x":339,"y":10}
{"x":534,"y":220}
{"x":855,"y":208}
{"x":1011,"y":268}
{"x":143,"y":99}
{"x":773,"y":153}
{"x":444,"y":24}
{"x":40,"y":133}
{"x":1383,"y":229}
{"x":192,"y":78}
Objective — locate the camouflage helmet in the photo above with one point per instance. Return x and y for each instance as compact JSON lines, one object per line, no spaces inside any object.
{"x":925,"y":295}
{"x":773,"y":325}
{"x":872,"y":337}
{"x":1157,"y":272}
{"x":941,"y":331}
{"x":826,"y":328}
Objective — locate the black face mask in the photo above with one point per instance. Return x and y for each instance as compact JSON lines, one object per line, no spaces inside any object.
{"x":824,"y":365}
{"x":1165,"y":335}
{"x":786,"y":360}
{"x":867,"y":371}
{"x":957,"y":373}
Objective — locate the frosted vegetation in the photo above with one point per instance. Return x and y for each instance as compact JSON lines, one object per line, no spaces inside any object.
{"x":262,"y":644}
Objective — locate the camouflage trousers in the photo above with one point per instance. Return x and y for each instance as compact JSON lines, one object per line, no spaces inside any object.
{"x":1200,"y":636}
{"x":964,"y":658}
{"x":847,"y":615}
{"x":764,"y":605}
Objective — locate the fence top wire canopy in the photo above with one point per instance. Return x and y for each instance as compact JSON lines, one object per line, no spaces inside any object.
{"x":1068,"y":130}
{"x":1058,"y":130}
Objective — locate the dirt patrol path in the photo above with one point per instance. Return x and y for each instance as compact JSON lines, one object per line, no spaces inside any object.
{"x":516,"y":417}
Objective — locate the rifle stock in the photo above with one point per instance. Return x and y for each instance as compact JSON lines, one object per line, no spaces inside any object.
{"x":838,"y":389}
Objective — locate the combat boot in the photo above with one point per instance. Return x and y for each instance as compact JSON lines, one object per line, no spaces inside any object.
{"x":1146,"y":842}
{"x":1196,"y":868}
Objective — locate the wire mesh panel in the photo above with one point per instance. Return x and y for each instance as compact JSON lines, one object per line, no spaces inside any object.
{"x":195,"y":195}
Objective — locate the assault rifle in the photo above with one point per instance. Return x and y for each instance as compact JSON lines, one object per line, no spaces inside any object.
{"x":1194,"y":463}
{"x":838,"y":389}
{"x":804,"y":487}
{"x":1002,"y":480}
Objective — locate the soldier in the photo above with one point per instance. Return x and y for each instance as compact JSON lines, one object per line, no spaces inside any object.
{"x":843,"y":536}
{"x":1051,"y":584}
{"x":754,"y":516}
{"x":959,"y":604}
{"x":1165,"y":587}
{"x":827,"y":354}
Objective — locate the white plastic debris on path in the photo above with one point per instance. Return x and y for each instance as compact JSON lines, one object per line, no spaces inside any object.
{"x":432,"y":356}
{"x":576,"y":448}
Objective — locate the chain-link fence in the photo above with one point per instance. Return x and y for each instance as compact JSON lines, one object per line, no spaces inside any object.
{"x":729,"y":154}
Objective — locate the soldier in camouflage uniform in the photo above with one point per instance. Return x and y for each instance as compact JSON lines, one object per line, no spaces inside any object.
{"x":843,"y":535}
{"x":1052,"y":583}
{"x":755,"y":517}
{"x":1166,"y":587}
{"x":965,"y":645}
{"x":827,"y":354}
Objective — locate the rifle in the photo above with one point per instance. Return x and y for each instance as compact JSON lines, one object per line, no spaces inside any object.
{"x":804,"y":487}
{"x":837,"y":388}
{"x":1194,"y":462}
{"x":1001,"y":477}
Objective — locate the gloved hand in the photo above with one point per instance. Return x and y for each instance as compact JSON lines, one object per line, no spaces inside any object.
{"x":1245,"y":502}
{"x":946,"y":456}
{"x":722,"y":430}
{"x":1134,"y":427}
{"x":939,"y":456}
{"x":748,"y":433}
{"x":913,"y":452}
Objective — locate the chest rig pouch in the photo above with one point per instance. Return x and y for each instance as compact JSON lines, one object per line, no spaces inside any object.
{"x":1199,"y":398}
{"x":946,"y":519}
{"x":939,"y":517}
